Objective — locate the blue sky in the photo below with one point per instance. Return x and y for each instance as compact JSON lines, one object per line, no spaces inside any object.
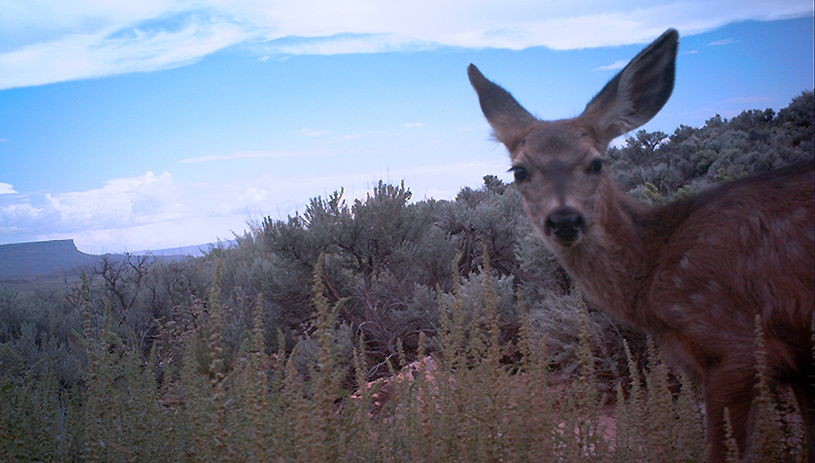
{"x":145,"y":125}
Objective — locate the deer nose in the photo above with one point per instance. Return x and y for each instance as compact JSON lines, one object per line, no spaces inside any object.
{"x":565,"y":223}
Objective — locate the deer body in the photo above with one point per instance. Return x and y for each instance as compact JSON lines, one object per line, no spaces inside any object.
{"x":693,"y":273}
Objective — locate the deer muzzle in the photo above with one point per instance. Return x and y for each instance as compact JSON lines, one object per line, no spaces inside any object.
{"x":566,"y":224}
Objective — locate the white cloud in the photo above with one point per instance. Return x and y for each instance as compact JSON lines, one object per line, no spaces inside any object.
{"x":619,"y":64}
{"x":121,"y":203}
{"x":719,"y":43}
{"x":43,"y":42}
{"x":6,"y":189}
{"x":314,"y":133}
{"x":145,"y":212}
{"x":107,"y":52}
{"x":259,"y":154}
{"x":413,"y":125}
{"x":254,"y":195}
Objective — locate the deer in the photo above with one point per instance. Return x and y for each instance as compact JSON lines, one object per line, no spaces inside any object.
{"x":693,"y":273}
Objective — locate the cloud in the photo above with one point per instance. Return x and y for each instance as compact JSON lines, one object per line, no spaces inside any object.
{"x":261,"y":154}
{"x":44,"y":42}
{"x":6,"y":189}
{"x":619,"y":64}
{"x":314,"y":133}
{"x":108,"y":52}
{"x":121,"y":202}
{"x":719,"y":43}
{"x":413,"y":125}
{"x":149,"y":211}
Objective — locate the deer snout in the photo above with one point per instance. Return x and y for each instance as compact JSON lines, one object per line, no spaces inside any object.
{"x":566,"y":223}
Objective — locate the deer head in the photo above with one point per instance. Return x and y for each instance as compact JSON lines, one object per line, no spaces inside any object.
{"x":558,"y":165}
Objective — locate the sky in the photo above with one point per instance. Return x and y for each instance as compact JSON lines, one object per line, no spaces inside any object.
{"x":128,"y":126}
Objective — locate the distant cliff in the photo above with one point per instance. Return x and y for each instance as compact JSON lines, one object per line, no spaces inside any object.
{"x":41,"y":258}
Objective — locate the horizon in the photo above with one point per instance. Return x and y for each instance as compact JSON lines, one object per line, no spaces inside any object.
{"x":140,"y":252}
{"x":157,"y":126}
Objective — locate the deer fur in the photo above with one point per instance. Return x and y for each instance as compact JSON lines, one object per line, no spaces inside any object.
{"x":693,"y":273}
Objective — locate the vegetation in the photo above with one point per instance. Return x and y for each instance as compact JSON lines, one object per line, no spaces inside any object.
{"x":186,"y":361}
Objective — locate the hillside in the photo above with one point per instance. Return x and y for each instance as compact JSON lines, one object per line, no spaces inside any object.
{"x":53,"y":258}
{"x":41,"y":258}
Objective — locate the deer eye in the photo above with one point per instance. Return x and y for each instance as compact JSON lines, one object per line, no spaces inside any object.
{"x":596,"y":166}
{"x":520,"y":172}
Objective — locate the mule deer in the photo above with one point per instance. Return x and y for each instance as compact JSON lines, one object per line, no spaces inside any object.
{"x":693,"y":273}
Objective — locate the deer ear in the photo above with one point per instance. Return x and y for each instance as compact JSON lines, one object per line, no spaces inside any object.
{"x":636,"y":94}
{"x":507,"y":118}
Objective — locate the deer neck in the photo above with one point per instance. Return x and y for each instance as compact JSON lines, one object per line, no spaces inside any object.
{"x":615,"y":261}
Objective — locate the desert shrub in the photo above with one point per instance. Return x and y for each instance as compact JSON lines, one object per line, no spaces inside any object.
{"x":461,"y":404}
{"x":753,"y":142}
{"x":561,"y":319}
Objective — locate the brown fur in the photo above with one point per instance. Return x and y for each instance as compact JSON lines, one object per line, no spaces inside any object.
{"x":694,"y":273}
